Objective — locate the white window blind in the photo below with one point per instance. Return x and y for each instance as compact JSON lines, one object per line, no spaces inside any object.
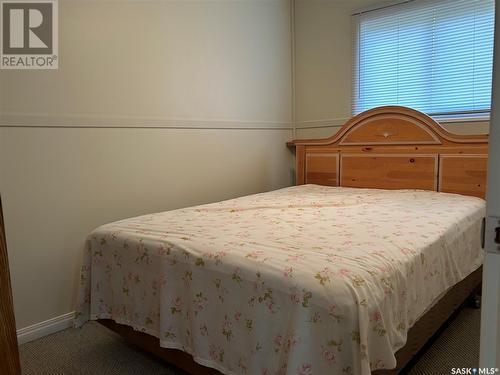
{"x":434,"y":56}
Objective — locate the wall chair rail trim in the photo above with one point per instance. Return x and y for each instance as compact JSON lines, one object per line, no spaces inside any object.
{"x":70,"y":120}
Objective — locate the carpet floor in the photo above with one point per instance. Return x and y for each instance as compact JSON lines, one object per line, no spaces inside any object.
{"x":94,"y":350}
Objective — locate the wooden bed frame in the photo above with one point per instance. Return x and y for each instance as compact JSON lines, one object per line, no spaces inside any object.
{"x":387,"y":147}
{"x":395,"y":148}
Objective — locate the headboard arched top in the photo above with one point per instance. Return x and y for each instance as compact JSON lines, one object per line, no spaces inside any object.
{"x":389,"y":129}
{"x":394,"y":147}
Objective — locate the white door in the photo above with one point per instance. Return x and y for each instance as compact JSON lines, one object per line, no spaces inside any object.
{"x":490,"y":312}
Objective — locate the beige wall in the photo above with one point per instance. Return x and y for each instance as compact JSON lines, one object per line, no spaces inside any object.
{"x":324,"y":61}
{"x":159,"y":105}
{"x":156,"y":105}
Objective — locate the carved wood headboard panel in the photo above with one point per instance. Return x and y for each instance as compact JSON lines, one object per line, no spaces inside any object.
{"x":395,"y":147}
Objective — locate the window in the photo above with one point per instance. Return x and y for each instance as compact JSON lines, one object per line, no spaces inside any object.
{"x":434,"y":56}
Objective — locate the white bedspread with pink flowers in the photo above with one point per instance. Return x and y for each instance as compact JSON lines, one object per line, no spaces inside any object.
{"x":302,"y":280}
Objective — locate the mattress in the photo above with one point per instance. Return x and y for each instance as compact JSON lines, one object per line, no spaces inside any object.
{"x":303,"y":280}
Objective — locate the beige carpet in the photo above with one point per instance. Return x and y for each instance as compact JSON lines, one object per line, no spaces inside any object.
{"x":94,"y":350}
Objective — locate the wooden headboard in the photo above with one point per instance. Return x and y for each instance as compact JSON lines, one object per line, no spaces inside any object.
{"x":395,"y":147}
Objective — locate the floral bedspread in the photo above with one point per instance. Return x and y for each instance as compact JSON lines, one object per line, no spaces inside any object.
{"x":302,"y":280}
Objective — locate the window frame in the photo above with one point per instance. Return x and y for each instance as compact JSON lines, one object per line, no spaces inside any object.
{"x":443,"y":117}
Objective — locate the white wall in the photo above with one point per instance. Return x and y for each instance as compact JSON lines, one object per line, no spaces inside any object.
{"x":156,"y":105}
{"x":324,"y":61}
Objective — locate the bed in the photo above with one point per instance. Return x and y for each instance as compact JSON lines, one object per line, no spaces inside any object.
{"x":351,"y":271}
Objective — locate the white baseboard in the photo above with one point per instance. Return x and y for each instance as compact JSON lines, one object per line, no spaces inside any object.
{"x":45,"y":328}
